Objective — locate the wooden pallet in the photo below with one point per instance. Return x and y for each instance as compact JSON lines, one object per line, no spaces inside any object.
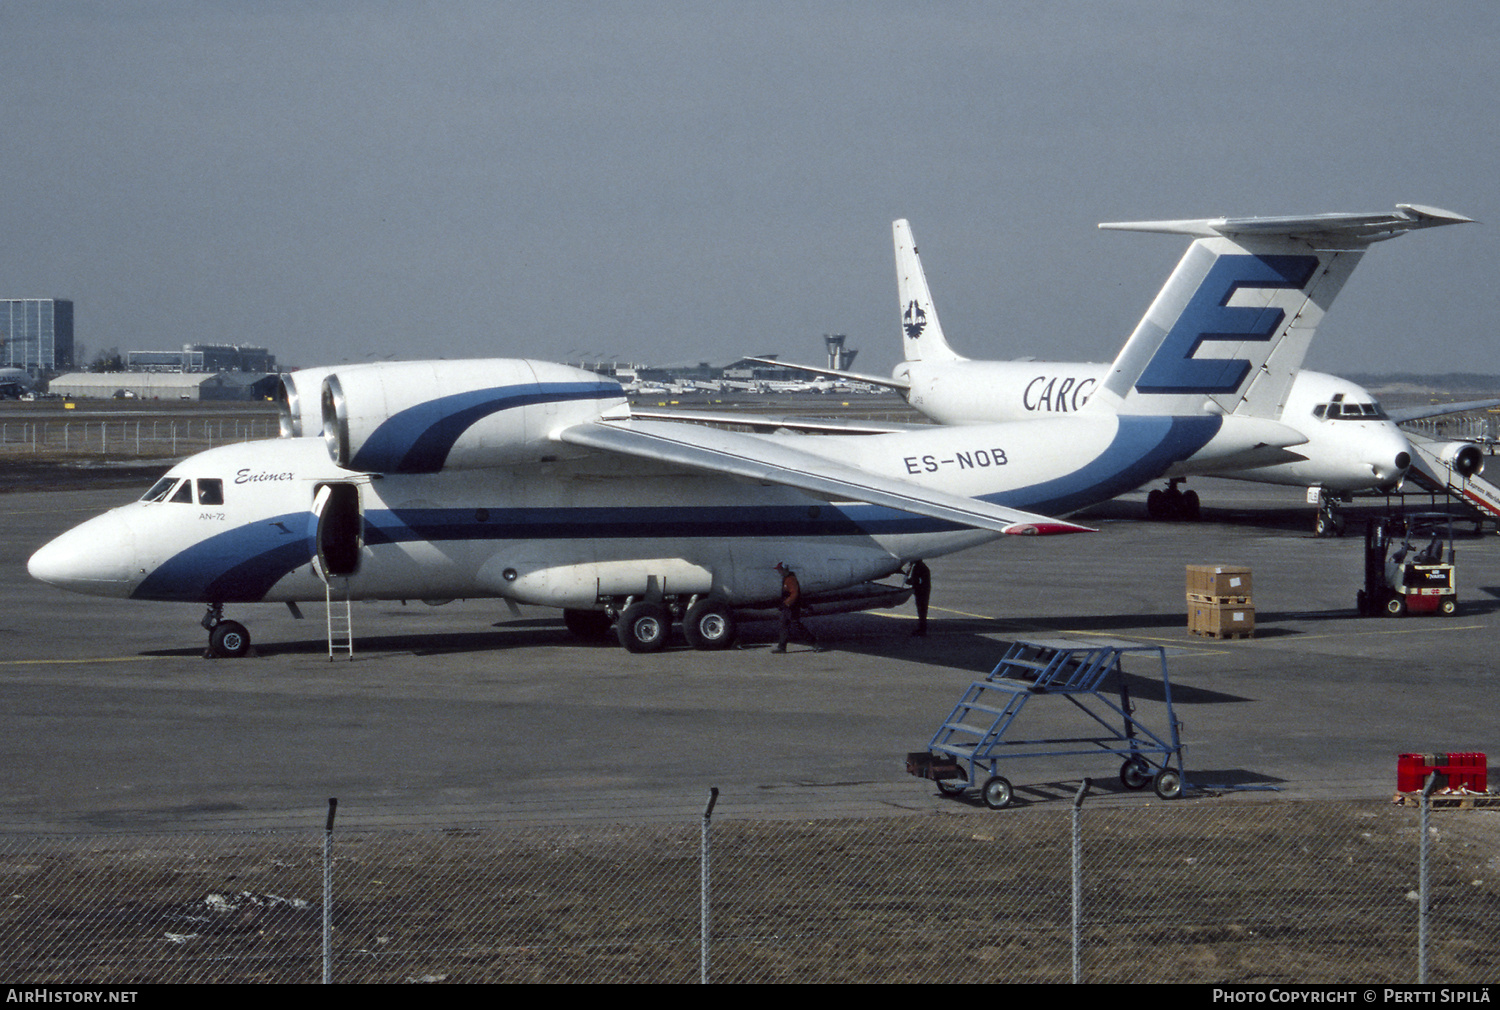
{"x":1450,"y":801}
{"x":1221,"y":635}
{"x":1222,"y":601}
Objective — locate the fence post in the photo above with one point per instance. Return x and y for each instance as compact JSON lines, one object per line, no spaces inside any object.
{"x":1078,"y":881}
{"x":703,"y":889}
{"x":333,"y":805}
{"x":1423,"y":906}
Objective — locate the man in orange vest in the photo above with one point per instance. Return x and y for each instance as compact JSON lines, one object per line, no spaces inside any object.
{"x":791,"y":609}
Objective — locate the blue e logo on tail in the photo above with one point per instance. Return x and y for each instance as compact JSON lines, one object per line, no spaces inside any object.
{"x":1174,"y":369}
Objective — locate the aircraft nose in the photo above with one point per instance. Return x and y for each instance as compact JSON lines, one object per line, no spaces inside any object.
{"x":97,"y":557}
{"x":1390,"y":472}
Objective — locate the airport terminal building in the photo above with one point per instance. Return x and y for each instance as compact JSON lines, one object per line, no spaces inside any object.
{"x":36,"y":334}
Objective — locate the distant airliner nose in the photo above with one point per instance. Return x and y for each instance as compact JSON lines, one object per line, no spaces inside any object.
{"x":97,"y":557}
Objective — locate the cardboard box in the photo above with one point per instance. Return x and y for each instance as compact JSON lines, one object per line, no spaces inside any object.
{"x":1218,"y":580}
{"x":1221,"y":620}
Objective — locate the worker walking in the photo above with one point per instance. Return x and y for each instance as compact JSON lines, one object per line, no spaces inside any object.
{"x":791,"y":610}
{"x":920,"y":580}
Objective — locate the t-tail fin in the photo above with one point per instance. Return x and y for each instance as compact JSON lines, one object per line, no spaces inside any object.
{"x":1228,"y":332}
{"x":922,"y":335}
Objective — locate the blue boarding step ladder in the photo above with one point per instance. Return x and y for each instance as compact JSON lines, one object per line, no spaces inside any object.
{"x":968,"y":747}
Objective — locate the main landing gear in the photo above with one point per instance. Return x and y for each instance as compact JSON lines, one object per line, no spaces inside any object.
{"x":641,"y":625}
{"x":1171,"y":504}
{"x":226,"y":639}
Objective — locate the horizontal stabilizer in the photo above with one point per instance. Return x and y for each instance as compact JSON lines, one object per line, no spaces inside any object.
{"x":1362,"y":228}
{"x":884,"y":381}
{"x":757,"y":458}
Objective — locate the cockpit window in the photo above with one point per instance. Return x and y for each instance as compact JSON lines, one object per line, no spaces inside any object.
{"x":1339,"y":411}
{"x":211,"y":491}
{"x":184,"y":493}
{"x":159,"y":490}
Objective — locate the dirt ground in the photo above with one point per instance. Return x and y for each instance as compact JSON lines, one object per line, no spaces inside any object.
{"x":1211,"y":890}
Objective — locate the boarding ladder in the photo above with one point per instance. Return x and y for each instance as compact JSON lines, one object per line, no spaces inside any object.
{"x":976,"y":736}
{"x":1431,"y":474}
{"x":340,"y":616}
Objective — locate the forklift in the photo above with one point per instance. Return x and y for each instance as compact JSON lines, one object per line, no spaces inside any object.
{"x":1409,"y":567}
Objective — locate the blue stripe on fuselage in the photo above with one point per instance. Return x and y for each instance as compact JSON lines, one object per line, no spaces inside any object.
{"x":1143,"y":447}
{"x":239,"y":565}
{"x":419,"y":438}
{"x":242,"y":564}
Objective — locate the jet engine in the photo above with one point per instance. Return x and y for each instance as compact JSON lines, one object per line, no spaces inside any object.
{"x":298,"y":403}
{"x":1464,"y":458}
{"x":425,"y":416}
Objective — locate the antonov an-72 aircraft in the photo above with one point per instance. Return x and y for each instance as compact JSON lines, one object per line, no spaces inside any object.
{"x":532,"y":482}
{"x":1348,"y":443}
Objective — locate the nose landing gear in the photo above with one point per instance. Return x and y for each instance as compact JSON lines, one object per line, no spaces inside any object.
{"x":226,"y":639}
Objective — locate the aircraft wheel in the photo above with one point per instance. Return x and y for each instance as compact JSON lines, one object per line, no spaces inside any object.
{"x":1395,"y":606}
{"x":1156,"y":504}
{"x":1191,"y":508}
{"x":1322,"y":527}
{"x":1135,"y":773}
{"x":589,"y":625}
{"x":1448,"y":607}
{"x":228,"y":640}
{"x":644,"y":627}
{"x":709,"y":625}
{"x":996,"y":792}
{"x":1168,"y":784}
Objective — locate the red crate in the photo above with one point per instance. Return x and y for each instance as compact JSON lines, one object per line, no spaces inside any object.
{"x":1468,"y":770}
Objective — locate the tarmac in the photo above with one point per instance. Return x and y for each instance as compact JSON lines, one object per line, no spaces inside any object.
{"x":467,"y":715}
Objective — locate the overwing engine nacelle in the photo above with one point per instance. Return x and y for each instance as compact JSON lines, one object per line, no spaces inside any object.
{"x":1464,"y":458}
{"x":425,"y":416}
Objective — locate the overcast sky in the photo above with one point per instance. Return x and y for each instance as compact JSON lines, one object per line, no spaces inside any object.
{"x":676,"y":182}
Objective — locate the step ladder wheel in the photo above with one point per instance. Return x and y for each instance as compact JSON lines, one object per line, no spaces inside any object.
{"x":644,"y":627}
{"x":950,"y":787}
{"x":709,"y":625}
{"x":1135,"y":773}
{"x":996,"y":792}
{"x":229,"y":640}
{"x":1168,"y":784}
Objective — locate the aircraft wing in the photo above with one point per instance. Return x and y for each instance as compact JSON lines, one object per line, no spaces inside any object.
{"x":754,"y":458}
{"x":771,"y":422}
{"x":875,"y":380}
{"x":1438,"y":410}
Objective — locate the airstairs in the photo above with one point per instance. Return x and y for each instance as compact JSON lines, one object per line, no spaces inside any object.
{"x":340,"y":617}
{"x":1431,"y":474}
{"x":968,"y":747}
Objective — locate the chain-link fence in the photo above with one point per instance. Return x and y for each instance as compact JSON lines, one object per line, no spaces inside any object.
{"x":1202,"y":891}
{"x":146,"y":438}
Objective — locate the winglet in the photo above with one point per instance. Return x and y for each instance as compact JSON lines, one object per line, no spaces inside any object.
{"x":1047,"y":529}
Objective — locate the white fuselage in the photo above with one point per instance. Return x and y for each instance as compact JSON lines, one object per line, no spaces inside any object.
{"x":251,"y":522}
{"x":1343,"y":452}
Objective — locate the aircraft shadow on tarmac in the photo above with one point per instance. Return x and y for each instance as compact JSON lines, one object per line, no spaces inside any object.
{"x":974,"y":645}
